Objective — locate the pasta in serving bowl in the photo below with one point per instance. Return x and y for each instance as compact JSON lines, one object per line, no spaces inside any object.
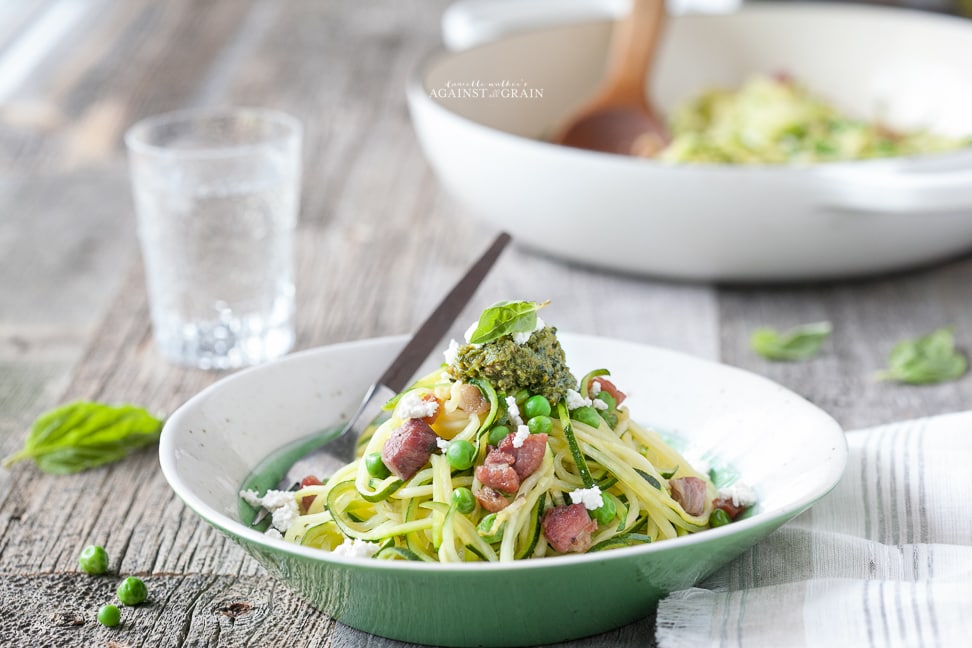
{"x":502,"y":454}
{"x":745,"y":427}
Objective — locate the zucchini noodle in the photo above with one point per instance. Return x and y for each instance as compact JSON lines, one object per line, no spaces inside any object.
{"x":418,"y":515}
{"x":775,"y":120}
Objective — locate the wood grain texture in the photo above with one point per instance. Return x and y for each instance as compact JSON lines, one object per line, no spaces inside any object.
{"x":869,"y":317}
{"x":379,"y":243}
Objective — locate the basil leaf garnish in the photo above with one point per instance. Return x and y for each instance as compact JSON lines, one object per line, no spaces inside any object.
{"x":800,"y":343}
{"x":505,"y":317}
{"x":84,"y":434}
{"x":925,"y":360}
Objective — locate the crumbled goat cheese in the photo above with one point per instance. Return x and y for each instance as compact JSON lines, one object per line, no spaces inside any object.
{"x":451,"y":353}
{"x":589,"y":497}
{"x":412,"y":406}
{"x":599,"y":404}
{"x":513,"y":411}
{"x":469,"y":331}
{"x":595,"y":388}
{"x":284,"y":516}
{"x":524,"y":337}
{"x":282,"y":506}
{"x":575,"y":400}
{"x":251,"y":498}
{"x":522,"y":432}
{"x":354,"y":548}
{"x":442,"y":443}
{"x":740,"y":494}
{"x":274,"y":499}
{"x":273,"y":533}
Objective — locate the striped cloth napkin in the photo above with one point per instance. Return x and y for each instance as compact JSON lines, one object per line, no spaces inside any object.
{"x":884,"y":560}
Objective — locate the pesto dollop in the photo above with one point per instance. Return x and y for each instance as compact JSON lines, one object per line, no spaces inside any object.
{"x":538,"y":365}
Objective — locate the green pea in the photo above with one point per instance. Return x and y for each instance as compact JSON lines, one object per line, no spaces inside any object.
{"x":540,"y":425}
{"x":109,"y":615}
{"x":587,"y":415}
{"x":486,"y":525}
{"x":718,"y":518}
{"x":521,"y":396}
{"x":497,"y":434}
{"x":375,"y":466}
{"x":606,"y":511}
{"x":610,"y":417}
{"x":536,"y":406}
{"x":93,"y":560}
{"x":612,"y":403}
{"x":132,"y":591}
{"x":463,"y":500}
{"x":460,"y":454}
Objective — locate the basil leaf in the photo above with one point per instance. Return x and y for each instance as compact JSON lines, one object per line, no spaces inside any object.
{"x":926,"y":360}
{"x":800,"y":343}
{"x":505,"y":317}
{"x":84,"y":434}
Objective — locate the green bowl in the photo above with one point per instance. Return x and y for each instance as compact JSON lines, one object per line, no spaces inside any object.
{"x":789,"y":451}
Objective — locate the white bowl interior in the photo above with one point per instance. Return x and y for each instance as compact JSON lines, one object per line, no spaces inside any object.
{"x":907,"y":68}
{"x":788,"y":450}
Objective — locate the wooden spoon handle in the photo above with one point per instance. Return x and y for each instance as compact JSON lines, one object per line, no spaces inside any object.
{"x":633,"y":50}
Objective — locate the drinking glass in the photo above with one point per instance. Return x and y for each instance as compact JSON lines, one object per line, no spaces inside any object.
{"x":216,"y":200}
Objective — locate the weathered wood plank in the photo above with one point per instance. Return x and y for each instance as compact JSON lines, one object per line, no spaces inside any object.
{"x":195,"y":610}
{"x":182,"y":610}
{"x":868,"y":317}
{"x":65,"y":241}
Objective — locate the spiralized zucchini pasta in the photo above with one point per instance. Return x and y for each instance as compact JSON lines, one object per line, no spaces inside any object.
{"x":499,"y":455}
{"x":773,"y":119}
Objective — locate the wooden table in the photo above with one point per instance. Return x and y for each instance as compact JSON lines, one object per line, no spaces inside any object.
{"x":74,"y":322}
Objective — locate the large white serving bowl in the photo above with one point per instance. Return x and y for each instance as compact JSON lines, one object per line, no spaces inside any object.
{"x":789,"y":451}
{"x":712,"y":222}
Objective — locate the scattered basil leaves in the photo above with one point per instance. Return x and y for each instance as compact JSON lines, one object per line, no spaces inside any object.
{"x":800,"y":343}
{"x":925,"y":360}
{"x":505,"y":317}
{"x":85,"y":434}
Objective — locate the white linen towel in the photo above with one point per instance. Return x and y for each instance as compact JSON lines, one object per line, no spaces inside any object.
{"x":884,"y":560}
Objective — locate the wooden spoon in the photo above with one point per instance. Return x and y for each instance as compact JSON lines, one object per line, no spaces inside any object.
{"x":620,"y":119}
